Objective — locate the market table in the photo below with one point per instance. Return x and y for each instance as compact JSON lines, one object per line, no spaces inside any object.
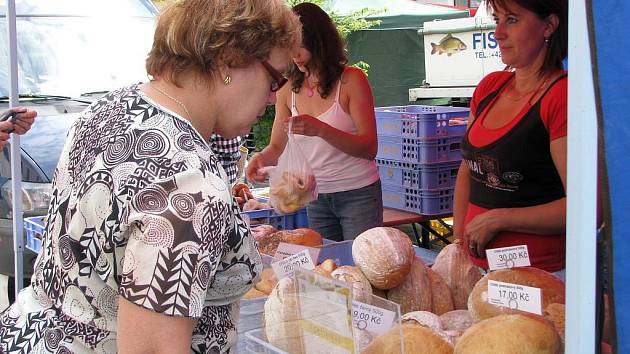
{"x":395,"y":217}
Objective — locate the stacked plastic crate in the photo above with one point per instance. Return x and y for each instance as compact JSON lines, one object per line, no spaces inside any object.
{"x":419,"y":153}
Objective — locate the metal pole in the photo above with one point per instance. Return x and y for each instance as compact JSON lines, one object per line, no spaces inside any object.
{"x":16,"y":157}
{"x":581,"y":189}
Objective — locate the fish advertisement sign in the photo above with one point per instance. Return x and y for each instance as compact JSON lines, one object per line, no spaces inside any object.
{"x":460,"y":52}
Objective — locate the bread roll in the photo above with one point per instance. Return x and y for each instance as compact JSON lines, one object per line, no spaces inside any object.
{"x":425,"y":319}
{"x":325,"y":268}
{"x":414,"y":293}
{"x":267,"y":281}
{"x":456,"y":320}
{"x":304,"y":237}
{"x":442,"y":300}
{"x":281,"y":318}
{"x":417,"y":340}
{"x":361,"y":287}
{"x":554,"y":313}
{"x":459,"y":273}
{"x":384,"y":255}
{"x":262,"y":231}
{"x":253,"y":293}
{"x":510,"y":334}
{"x":552,"y":290}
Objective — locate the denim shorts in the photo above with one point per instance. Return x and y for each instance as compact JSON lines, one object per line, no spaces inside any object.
{"x":344,"y":215}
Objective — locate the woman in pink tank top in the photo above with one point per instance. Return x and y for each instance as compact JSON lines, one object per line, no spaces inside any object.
{"x":332,"y":110}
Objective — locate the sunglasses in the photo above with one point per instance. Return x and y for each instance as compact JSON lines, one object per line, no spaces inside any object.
{"x":278,"y":80}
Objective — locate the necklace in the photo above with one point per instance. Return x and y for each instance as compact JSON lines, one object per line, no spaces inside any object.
{"x":310,"y":90}
{"x":172,"y":98}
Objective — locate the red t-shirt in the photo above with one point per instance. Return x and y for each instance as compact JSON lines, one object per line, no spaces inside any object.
{"x":545,"y":251}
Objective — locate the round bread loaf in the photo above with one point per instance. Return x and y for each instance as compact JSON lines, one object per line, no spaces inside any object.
{"x":510,"y":334}
{"x":551,"y":288}
{"x":384,"y":255}
{"x":442,"y":300}
{"x":303,"y":236}
{"x":459,"y":273}
{"x":555,"y":314}
{"x":417,"y":340}
{"x":281,"y":318}
{"x":425,"y":319}
{"x":361,"y":287}
{"x":457,"y":320}
{"x":414,"y":293}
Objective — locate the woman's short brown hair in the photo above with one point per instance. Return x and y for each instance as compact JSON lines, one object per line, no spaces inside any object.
{"x":201,"y":35}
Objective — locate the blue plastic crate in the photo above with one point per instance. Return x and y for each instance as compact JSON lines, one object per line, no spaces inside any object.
{"x":34,"y":231}
{"x":420,"y":121}
{"x":420,"y":151}
{"x":425,"y":202}
{"x":419,"y":176}
{"x":279,"y":221}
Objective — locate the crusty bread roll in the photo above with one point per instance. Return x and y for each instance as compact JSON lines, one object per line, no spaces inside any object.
{"x":303,"y":236}
{"x":459,"y":273}
{"x":281,"y":318}
{"x":268,"y":281}
{"x":414,"y":293}
{"x":326,"y":267}
{"x":417,"y":340}
{"x":510,"y":334}
{"x":457,"y":320}
{"x":384,"y":255}
{"x":555,"y":314}
{"x":425,"y":319}
{"x":441,"y":298}
{"x":361,"y":287}
{"x":253,"y":293}
{"x":552,"y":290}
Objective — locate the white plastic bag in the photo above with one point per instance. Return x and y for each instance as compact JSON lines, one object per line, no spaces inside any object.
{"x":292,"y":183}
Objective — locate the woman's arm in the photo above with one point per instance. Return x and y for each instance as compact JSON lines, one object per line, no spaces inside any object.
{"x":144,"y":331}
{"x":460,"y":202}
{"x":363,"y":144}
{"x":543,"y":219}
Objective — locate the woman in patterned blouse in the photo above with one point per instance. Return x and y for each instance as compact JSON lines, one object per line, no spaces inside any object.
{"x":144,"y":248}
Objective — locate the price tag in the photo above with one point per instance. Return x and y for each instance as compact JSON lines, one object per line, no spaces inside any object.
{"x":508,"y":257}
{"x":371,"y":318}
{"x":285,"y":250}
{"x":287,"y":266}
{"x":515,"y":296}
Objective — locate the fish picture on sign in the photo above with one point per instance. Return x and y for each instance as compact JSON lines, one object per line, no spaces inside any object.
{"x":448,"y":45}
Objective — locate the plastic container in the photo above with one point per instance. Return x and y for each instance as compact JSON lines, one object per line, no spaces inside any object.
{"x":425,"y":202}
{"x":420,"y":151}
{"x":281,"y":222}
{"x":420,"y":121}
{"x":406,"y":174}
{"x":34,"y":231}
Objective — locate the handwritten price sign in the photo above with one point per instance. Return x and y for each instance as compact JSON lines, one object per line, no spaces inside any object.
{"x":287,"y":266}
{"x":515,"y":296}
{"x":371,"y":318}
{"x":508,"y":257}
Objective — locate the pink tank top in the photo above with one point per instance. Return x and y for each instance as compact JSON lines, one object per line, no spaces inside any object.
{"x":335,"y":171}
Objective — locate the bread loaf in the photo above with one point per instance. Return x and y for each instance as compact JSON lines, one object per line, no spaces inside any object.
{"x":281,"y":318}
{"x":552,"y":290}
{"x":384,"y":255}
{"x":361,"y":287}
{"x":455,"y":323}
{"x":554,"y":313}
{"x":414,"y":293}
{"x":267,"y":281}
{"x":326,"y":268}
{"x":442,"y":300}
{"x":304,"y":237}
{"x":459,"y":273}
{"x":510,"y":334}
{"x":417,"y":340}
{"x":262,"y":231}
{"x":425,"y":319}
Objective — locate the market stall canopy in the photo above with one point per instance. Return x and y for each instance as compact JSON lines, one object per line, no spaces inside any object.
{"x":399,"y":14}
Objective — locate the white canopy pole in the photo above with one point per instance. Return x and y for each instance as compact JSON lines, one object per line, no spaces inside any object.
{"x":581,"y":189}
{"x":16,"y":157}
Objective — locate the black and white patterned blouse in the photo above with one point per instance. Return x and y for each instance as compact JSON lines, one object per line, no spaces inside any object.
{"x":140,"y":208}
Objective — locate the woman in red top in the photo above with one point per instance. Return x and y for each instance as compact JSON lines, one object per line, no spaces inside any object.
{"x":511,"y":185}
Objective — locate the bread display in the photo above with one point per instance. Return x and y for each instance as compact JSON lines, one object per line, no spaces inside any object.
{"x":384,"y":255}
{"x":281,"y":319}
{"x":417,"y":340}
{"x":456,"y":320}
{"x":425,"y":319}
{"x":267,"y":281}
{"x":552,"y":290}
{"x":441,"y":298}
{"x":262,"y":231}
{"x":554,"y":313}
{"x":459,"y":273}
{"x":510,"y":334}
{"x":325,"y":268}
{"x":303,"y":236}
{"x":361,"y":287}
{"x":414,"y":293}
{"x":292,"y":192}
{"x":254,"y":293}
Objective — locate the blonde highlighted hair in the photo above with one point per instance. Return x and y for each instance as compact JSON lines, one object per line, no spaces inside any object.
{"x":200,"y":36}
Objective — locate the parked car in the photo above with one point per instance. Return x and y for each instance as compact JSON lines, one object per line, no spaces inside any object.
{"x":70,"y":52}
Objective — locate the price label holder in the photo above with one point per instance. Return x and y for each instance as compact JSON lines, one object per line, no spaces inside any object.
{"x":508,"y":257}
{"x":285,"y":250}
{"x":371,"y":318}
{"x":285,"y":267}
{"x":515,"y":296}
{"x":325,"y":313}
